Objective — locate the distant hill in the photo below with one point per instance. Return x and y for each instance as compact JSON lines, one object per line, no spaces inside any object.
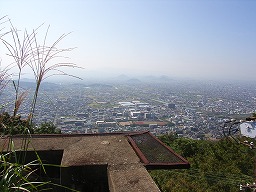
{"x":219,"y":165}
{"x":164,"y":78}
{"x":123,"y":77}
{"x":142,"y":79}
{"x":99,"y":85}
{"x":156,"y":79}
{"x":134,"y":80}
{"x":31,"y":84}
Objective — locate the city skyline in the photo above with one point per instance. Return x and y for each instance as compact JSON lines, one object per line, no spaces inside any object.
{"x":191,"y":39}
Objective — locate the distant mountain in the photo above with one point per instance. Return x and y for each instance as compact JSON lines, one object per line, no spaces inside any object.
{"x":123,"y":77}
{"x":26,"y":83}
{"x":156,"y":79}
{"x":99,"y":85}
{"x":31,"y":84}
{"x":50,"y":86}
{"x":28,"y":80}
{"x":164,"y":78}
{"x":120,"y":79}
{"x":138,"y":79}
{"x":134,"y":80}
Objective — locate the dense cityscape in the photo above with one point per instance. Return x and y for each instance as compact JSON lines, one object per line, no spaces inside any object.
{"x":192,"y":109}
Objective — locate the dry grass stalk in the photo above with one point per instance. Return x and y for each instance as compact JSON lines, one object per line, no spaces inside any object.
{"x":19,"y":101}
{"x":19,"y":50}
{"x":42,"y":59}
{"x":44,"y":62}
{"x":4,"y":77}
{"x":2,"y":21}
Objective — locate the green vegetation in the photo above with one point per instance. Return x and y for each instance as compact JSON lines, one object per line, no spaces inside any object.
{"x":12,"y":125}
{"x":47,"y":128}
{"x":27,"y":51}
{"x":97,"y":105}
{"x":215,"y":166}
{"x":16,"y":174}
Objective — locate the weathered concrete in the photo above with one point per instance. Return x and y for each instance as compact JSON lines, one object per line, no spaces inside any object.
{"x":124,"y":169}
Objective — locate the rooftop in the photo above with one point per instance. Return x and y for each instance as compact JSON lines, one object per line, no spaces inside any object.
{"x":121,"y":159}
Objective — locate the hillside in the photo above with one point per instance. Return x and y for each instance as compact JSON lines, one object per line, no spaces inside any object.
{"x":215,"y":166}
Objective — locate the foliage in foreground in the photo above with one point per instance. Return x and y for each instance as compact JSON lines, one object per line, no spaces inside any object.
{"x":26,"y":51}
{"x":12,"y":125}
{"x":215,"y":166}
{"x":17,"y":177}
{"x":47,"y":128}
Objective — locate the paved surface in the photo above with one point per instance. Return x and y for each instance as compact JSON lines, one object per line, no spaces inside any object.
{"x":125,"y":171}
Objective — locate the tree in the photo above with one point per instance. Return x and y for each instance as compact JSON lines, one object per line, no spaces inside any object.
{"x":47,"y":128}
{"x":11,"y":125}
{"x":215,"y":166}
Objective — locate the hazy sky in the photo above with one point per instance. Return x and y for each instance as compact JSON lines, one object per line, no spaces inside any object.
{"x":193,"y":38}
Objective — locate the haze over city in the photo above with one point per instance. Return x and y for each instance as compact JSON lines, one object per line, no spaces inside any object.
{"x":185,"y":39}
{"x":162,"y":85}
